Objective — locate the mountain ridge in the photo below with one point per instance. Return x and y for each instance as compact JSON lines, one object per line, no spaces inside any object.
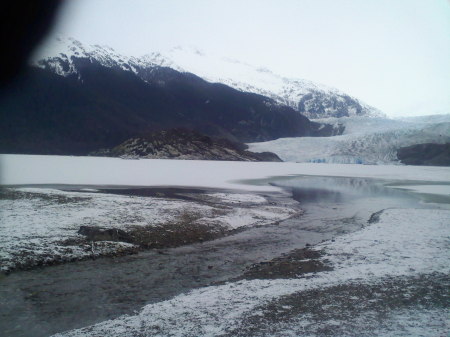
{"x":82,"y":101}
{"x":310,"y":99}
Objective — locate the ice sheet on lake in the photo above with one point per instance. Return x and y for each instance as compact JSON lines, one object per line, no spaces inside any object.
{"x":428,"y":189}
{"x":34,"y":169}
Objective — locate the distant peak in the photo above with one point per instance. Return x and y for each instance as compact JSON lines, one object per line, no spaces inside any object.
{"x":264,"y":70}
{"x":186,"y":51}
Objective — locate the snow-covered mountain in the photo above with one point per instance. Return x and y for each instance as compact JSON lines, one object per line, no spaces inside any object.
{"x":59,"y":55}
{"x":81,"y":99}
{"x":311,"y":99}
{"x":364,"y":141}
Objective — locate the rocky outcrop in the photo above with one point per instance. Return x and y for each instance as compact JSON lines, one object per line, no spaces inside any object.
{"x":93,"y":233}
{"x":184,"y":144}
{"x":323,"y":104}
{"x":425,"y":154}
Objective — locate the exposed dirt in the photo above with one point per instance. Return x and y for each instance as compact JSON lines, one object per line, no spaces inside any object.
{"x":94,"y":242}
{"x":182,"y":230}
{"x":13,"y":194}
{"x":109,"y":242}
{"x":352,"y":309}
{"x":291,"y":265}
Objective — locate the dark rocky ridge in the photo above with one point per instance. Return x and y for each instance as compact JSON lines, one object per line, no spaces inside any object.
{"x":319,"y":104}
{"x":425,"y":154}
{"x":184,"y":144}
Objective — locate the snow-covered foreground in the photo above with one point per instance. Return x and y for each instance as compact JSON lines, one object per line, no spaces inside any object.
{"x":40,"y":226}
{"x":395,"y":248}
{"x":364,"y":141}
{"x":33,"y":169}
{"x":404,"y":254}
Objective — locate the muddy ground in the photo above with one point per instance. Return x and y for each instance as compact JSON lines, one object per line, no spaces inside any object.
{"x":290,"y":265}
{"x":353,"y":309}
{"x":93,"y":241}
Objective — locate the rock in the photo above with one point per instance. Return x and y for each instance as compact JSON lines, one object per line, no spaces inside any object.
{"x":425,"y":154}
{"x":180,"y":143}
{"x":375,"y":217}
{"x":100,"y":234}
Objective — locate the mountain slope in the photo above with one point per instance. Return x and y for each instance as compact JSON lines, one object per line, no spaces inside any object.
{"x":91,"y":99}
{"x":311,"y":99}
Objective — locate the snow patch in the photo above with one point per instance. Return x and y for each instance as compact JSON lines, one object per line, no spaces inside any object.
{"x":237,"y":198}
{"x":37,"y":223}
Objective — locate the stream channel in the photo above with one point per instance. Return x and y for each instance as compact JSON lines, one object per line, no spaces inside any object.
{"x":47,"y":300}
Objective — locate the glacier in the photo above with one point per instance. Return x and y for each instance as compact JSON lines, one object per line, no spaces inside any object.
{"x":364,"y":140}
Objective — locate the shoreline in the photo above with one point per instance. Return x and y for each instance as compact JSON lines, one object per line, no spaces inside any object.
{"x":187,"y":225}
{"x":41,"y":169}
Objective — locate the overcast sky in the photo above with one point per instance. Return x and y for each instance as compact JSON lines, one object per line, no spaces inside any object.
{"x":392,"y":54}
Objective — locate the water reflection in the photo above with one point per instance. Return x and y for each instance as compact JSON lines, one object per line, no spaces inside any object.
{"x":308,"y":190}
{"x":316,"y":195}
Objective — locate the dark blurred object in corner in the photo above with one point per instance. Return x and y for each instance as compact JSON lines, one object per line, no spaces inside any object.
{"x":24,"y":23}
